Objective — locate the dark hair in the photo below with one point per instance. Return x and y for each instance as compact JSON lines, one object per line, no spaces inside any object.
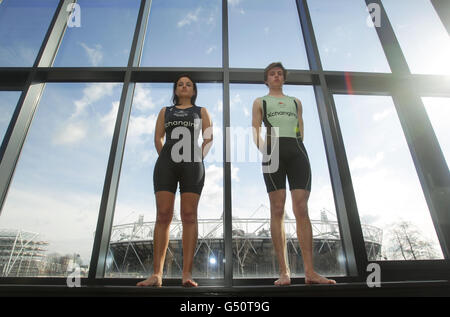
{"x":175,"y":97}
{"x":273,"y":65}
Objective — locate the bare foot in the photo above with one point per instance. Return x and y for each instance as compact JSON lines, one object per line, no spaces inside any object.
{"x":187,"y":281}
{"x":154,"y":280}
{"x":284,"y":279}
{"x":315,"y":278}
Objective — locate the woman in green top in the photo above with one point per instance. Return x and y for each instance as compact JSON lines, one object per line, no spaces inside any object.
{"x":282,"y":116}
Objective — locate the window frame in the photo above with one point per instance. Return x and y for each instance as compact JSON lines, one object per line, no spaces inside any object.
{"x":405,"y":88}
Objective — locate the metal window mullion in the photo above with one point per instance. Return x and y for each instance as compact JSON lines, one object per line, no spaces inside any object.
{"x":344,"y":197}
{"x":53,"y":39}
{"x":19,"y":126}
{"x":442,"y":8}
{"x":424,"y":147}
{"x":389,"y":42}
{"x":428,"y":158}
{"x":111,"y":183}
{"x":20,"y":123}
{"x":227,"y":208}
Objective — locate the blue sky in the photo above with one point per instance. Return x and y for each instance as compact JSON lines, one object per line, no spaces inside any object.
{"x":57,"y":186}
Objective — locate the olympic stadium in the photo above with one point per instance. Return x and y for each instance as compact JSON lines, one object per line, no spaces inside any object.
{"x":131,"y":248}
{"x":21,"y":253}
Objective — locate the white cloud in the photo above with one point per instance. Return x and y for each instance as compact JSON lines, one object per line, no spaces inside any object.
{"x":141,"y":125}
{"x":71,"y":133}
{"x":210,"y":49}
{"x":17,"y":52}
{"x":381,"y":115}
{"x":95,"y":54}
{"x":189,"y":18}
{"x":142,"y":98}
{"x":235,"y":101}
{"x":219,"y":106}
{"x":234,"y":2}
{"x":108,"y":122}
{"x":361,"y":162}
{"x":75,"y":129}
{"x":92,"y":93}
{"x":64,"y":218}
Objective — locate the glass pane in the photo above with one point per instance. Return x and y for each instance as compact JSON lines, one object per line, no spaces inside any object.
{"x":422,"y":37}
{"x":346,"y":39}
{"x":387,"y":189}
{"x":8,"y":102}
{"x":258,"y":36}
{"x":438,"y":110}
{"x":54,"y":198}
{"x":131,"y":246}
{"x":23,"y":25}
{"x":90,"y":40}
{"x":253,"y":252}
{"x":184,"y":34}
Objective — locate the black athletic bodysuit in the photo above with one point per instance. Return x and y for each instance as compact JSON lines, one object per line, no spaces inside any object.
{"x":181,"y":158}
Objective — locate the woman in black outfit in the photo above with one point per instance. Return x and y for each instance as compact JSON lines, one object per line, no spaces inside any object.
{"x":180,"y":161}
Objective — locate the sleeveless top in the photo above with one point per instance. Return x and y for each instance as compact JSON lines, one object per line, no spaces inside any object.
{"x":281,"y":112}
{"x":183,"y":123}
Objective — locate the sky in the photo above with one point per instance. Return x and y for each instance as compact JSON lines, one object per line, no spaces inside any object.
{"x":57,"y":186}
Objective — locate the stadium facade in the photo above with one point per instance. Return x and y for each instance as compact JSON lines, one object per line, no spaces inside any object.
{"x":131,"y":248}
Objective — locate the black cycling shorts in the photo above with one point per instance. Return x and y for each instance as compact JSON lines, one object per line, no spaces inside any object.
{"x":167,"y":174}
{"x":293,"y":163}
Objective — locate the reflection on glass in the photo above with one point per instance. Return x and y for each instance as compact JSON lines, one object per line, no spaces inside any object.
{"x":8,"y":101}
{"x":438,"y":110}
{"x":253,"y":254}
{"x":23,"y":25}
{"x":131,"y":247}
{"x":266,"y":31}
{"x":184,"y":33}
{"x":99,"y":33}
{"x":422,"y":37}
{"x":51,"y":211}
{"x":346,"y":37}
{"x":387,"y":189}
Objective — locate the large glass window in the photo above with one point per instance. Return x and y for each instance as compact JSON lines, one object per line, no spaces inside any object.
{"x":438,"y":110}
{"x":8,"y":101}
{"x":346,"y":36}
{"x":258,"y":34}
{"x":253,"y":252}
{"x":131,"y":246}
{"x":387,"y":189}
{"x":422,"y":37}
{"x":23,"y":25}
{"x":51,"y":211}
{"x":99,"y":33}
{"x":184,"y":34}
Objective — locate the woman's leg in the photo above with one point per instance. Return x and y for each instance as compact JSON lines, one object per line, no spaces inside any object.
{"x":164,"y":206}
{"x":189,"y":204}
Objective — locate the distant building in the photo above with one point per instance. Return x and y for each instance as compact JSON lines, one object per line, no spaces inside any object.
{"x":21,"y":253}
{"x":131,"y":248}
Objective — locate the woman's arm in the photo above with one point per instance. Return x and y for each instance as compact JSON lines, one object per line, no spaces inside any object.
{"x":160,"y":131}
{"x":207,"y":131}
